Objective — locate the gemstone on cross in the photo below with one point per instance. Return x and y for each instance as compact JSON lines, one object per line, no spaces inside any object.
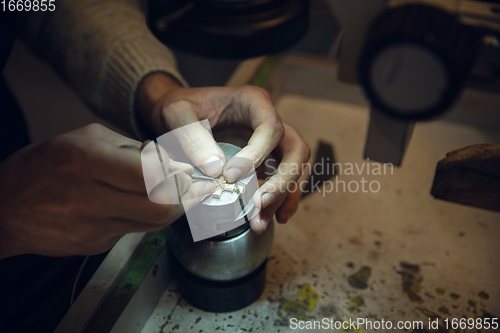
{"x":222,"y":186}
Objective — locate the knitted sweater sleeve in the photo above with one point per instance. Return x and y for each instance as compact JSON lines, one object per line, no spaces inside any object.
{"x":104,"y":49}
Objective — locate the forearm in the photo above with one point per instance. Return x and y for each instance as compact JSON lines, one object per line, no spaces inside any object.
{"x":6,"y":247}
{"x":149,"y":94}
{"x":104,"y":49}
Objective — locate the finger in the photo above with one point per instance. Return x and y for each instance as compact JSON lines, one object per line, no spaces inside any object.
{"x":260,"y":222}
{"x":144,"y":144}
{"x":109,"y":202}
{"x":128,"y":170}
{"x":153,"y":169}
{"x":119,"y":226}
{"x":133,"y":207}
{"x":267,"y":127}
{"x":295,"y":153}
{"x":117,"y":167}
{"x":120,"y":168}
{"x":163,"y":177}
{"x":195,"y":138}
{"x":196,"y":193}
{"x":171,"y":189}
{"x":156,"y":160}
{"x":181,"y":167}
{"x":289,"y":206}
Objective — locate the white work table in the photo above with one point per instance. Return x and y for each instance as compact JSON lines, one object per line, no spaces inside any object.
{"x":456,"y":248}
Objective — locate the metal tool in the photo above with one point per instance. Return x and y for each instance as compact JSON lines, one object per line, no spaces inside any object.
{"x":200,"y":176}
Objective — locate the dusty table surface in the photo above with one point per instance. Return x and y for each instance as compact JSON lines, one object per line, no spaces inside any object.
{"x":397,"y":254}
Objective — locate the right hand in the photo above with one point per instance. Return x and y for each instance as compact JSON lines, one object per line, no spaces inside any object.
{"x":165,"y":106}
{"x":78,"y":194}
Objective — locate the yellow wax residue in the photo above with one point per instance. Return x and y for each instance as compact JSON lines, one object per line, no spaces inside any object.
{"x":308,"y":299}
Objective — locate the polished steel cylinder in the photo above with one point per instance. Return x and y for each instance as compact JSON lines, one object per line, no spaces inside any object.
{"x":226,"y":257}
{"x":220,"y":260}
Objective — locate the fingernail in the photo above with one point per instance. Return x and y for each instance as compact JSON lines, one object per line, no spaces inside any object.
{"x":209,"y":188}
{"x":264,"y":224}
{"x":259,"y":226}
{"x":180,"y":167}
{"x":144,"y":144}
{"x":185,"y":182}
{"x":232,"y":174}
{"x":212,"y":166}
{"x":267,"y":199}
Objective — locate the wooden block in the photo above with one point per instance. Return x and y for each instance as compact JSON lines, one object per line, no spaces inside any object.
{"x":470,"y":176}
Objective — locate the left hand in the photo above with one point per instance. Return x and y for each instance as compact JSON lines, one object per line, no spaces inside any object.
{"x":165,"y":106}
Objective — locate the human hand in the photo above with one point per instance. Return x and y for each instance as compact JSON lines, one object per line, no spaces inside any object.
{"x":165,"y":106}
{"x":78,"y":194}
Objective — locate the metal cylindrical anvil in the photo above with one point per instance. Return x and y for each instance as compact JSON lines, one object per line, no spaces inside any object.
{"x":225,"y":272}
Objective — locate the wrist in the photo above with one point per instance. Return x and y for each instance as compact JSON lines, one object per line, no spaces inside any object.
{"x":10,"y":242}
{"x":8,"y":246}
{"x":150,"y":94}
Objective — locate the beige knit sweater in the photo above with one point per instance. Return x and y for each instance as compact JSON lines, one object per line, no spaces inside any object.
{"x":103,"y":48}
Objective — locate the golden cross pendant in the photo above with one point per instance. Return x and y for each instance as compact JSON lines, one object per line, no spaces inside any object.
{"x":222,"y":186}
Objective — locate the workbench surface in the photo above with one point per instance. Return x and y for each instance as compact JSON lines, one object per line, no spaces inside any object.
{"x":395,"y":255}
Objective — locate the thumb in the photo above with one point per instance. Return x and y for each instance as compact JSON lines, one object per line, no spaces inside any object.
{"x":195,"y":138}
